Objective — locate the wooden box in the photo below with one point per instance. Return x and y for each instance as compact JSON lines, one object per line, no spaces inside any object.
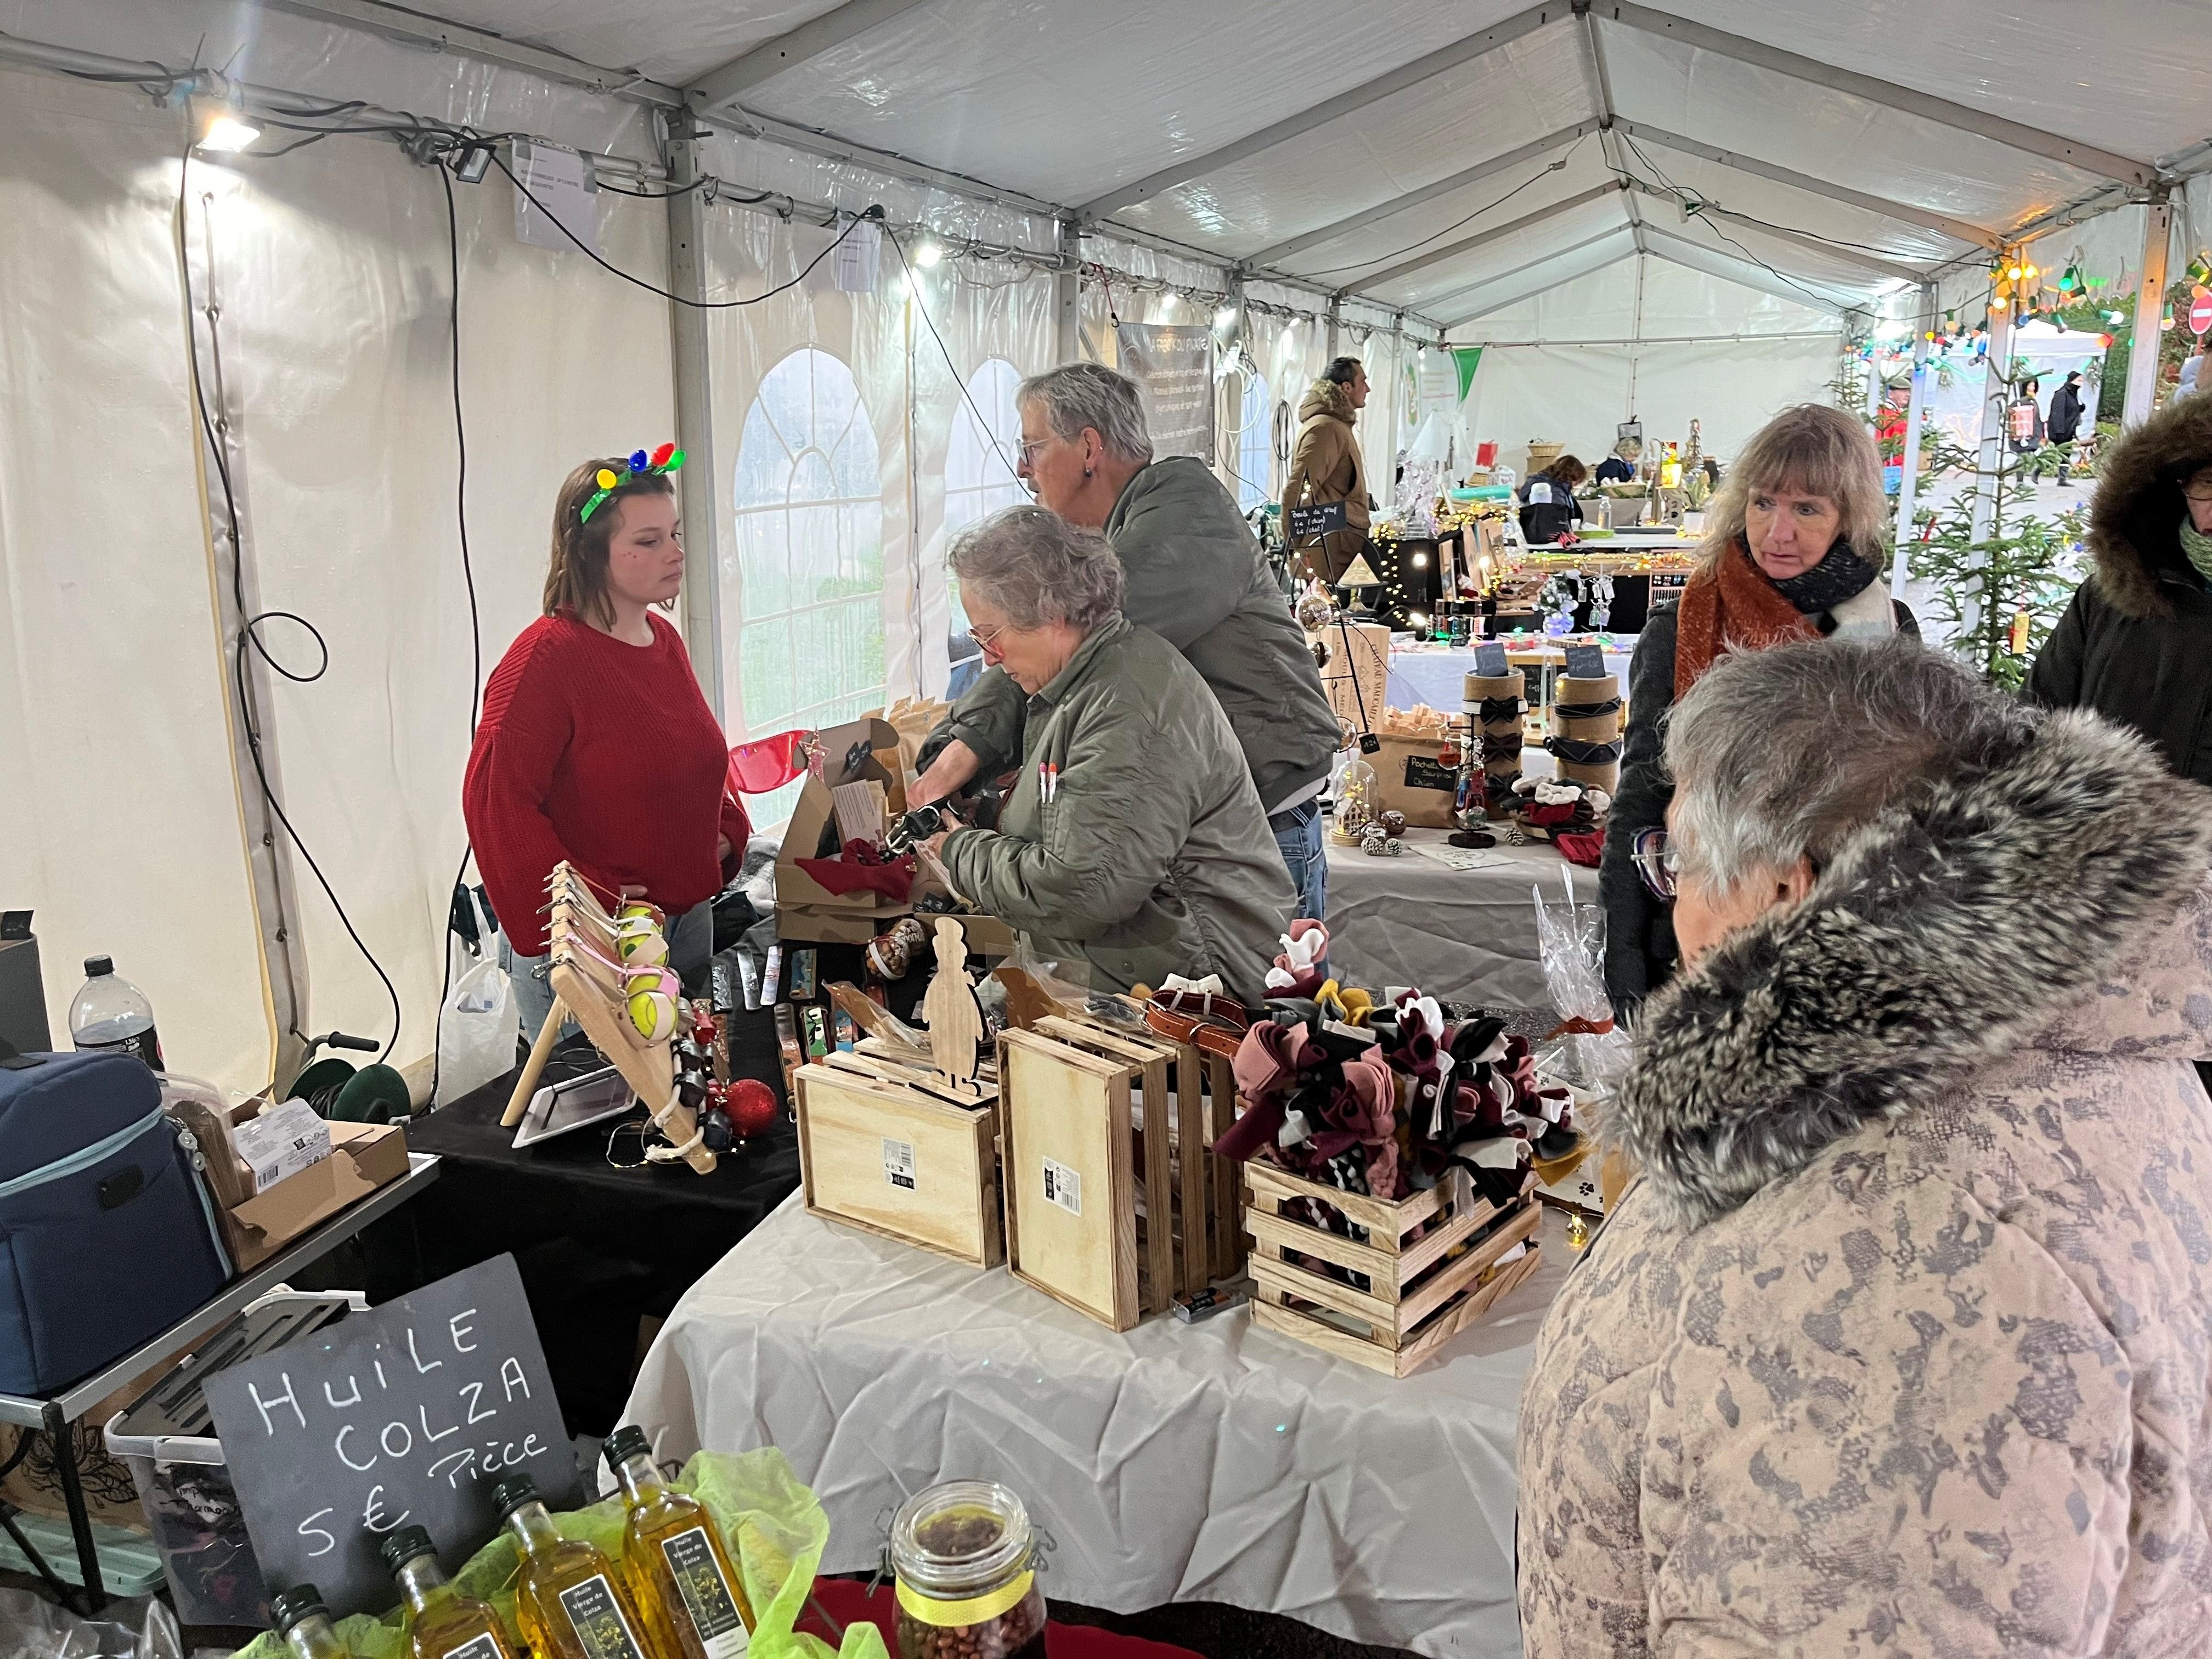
{"x":1356,"y":679}
{"x":1419,"y":1295}
{"x":1071,"y":1180}
{"x":884,"y":1149}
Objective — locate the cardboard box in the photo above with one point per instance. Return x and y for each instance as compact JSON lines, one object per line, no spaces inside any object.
{"x":859,"y":750}
{"x":364,"y":1156}
{"x":1356,"y":679}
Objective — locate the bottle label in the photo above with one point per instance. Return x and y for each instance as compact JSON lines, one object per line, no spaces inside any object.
{"x":485,"y":1646}
{"x":598,"y":1618}
{"x":706,"y":1593}
{"x":144,"y":1045}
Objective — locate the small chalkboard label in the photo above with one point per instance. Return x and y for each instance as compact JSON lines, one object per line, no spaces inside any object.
{"x":1307,"y":522}
{"x":1425,"y":772}
{"x":1585,"y":662}
{"x":1490,"y":661}
{"x":409,"y":1412}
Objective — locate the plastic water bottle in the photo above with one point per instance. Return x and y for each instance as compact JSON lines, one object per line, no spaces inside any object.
{"x":111,"y":1013}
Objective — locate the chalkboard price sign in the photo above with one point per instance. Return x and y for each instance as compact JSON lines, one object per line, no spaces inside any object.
{"x":1307,"y":521}
{"x":410,"y":1413}
{"x":1490,"y":661}
{"x":1585,"y":662}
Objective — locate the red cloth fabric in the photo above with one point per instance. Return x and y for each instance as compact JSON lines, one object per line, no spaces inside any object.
{"x":1589,"y":850}
{"x":862,"y":868}
{"x":847,"y":1602}
{"x":603,"y":754}
{"x":1731,"y":605}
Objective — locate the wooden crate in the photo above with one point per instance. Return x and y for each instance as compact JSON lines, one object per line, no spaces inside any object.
{"x":1173,"y":1166}
{"x":1071,"y":1181}
{"x":882,"y":1150}
{"x":1416,"y":1300}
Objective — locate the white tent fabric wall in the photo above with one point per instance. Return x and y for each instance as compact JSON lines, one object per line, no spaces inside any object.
{"x":119,"y":825}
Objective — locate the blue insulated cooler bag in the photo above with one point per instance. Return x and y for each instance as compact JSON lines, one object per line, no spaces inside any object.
{"x":106,"y":1235}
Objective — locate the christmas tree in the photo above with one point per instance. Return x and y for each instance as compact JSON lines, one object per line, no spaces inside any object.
{"x":2001,"y":592}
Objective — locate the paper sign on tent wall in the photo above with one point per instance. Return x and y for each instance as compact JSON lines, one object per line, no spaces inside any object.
{"x":411,"y":1412}
{"x":853,"y":266}
{"x":557,"y":182}
{"x":1173,"y":367}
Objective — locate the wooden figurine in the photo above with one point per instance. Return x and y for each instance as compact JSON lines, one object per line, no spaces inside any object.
{"x":950,"y":1008}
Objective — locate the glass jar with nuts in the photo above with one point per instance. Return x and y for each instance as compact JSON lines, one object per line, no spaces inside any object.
{"x":966,"y":1590}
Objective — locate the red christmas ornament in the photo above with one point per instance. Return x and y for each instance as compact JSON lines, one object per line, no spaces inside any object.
{"x":752,"y":1107}
{"x":661,"y":455}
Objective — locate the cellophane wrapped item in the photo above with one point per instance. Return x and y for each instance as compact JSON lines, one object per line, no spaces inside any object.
{"x":1591,"y":1052}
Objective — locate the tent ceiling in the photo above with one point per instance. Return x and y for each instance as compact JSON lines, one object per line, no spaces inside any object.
{"x":1236,"y":131}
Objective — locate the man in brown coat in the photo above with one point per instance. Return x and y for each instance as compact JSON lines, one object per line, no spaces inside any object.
{"x":1326,"y":466}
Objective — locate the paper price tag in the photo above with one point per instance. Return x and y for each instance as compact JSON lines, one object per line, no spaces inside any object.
{"x":1063,"y":1187}
{"x":898,"y":1162}
{"x":281,"y":1142}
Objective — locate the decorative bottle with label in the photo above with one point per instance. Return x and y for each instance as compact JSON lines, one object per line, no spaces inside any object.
{"x":442,"y":1623}
{"x":568,"y":1601}
{"x":304,"y":1623}
{"x":686,"y":1585}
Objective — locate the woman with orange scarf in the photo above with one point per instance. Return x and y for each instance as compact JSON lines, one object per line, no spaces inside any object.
{"x":1794,"y":552}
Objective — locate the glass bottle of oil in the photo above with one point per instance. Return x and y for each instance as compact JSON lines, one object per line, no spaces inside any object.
{"x":304,"y":1623}
{"x":569,"y":1602}
{"x":442,"y":1623}
{"x":686,"y":1586}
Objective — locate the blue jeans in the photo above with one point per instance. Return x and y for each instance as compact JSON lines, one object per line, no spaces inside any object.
{"x":690,"y":942}
{"x":1297,"y":835}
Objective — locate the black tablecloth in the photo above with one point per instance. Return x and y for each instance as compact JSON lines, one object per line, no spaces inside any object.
{"x":599,"y":1247}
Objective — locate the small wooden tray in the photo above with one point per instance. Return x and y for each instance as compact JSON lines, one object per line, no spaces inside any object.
{"x":1419,"y":1295}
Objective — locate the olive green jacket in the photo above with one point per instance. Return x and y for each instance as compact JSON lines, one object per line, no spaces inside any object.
{"x":1154,"y":857}
{"x":1197,"y":579}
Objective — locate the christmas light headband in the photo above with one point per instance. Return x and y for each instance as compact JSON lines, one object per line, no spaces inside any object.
{"x":667,"y":458}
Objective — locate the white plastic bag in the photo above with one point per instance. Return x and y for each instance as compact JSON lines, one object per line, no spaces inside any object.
{"x":1571,"y":942}
{"x":477,"y":1031}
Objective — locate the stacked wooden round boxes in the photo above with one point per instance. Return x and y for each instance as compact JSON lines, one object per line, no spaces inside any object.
{"x":1493,"y":704}
{"x":1586,"y":732}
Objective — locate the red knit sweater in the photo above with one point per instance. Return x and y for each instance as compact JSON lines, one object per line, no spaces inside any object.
{"x":603,"y":754}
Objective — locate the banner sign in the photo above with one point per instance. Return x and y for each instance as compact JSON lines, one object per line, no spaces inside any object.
{"x":1172,"y":364}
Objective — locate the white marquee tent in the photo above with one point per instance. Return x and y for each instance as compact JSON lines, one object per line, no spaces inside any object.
{"x":1672,"y":214}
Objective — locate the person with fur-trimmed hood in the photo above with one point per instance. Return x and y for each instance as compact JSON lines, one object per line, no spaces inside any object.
{"x":2135,"y":645}
{"x":1898,"y":1342}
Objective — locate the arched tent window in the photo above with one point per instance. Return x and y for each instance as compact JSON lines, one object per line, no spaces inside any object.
{"x":1255,"y":484}
{"x":810,"y":555}
{"x":979,"y":480}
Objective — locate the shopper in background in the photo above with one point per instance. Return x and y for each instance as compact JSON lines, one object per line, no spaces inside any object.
{"x":2192,"y":370}
{"x":2065,"y":424}
{"x":1616,"y":468}
{"x":1547,"y":501}
{"x":596,"y":746}
{"x":1326,"y":466}
{"x":2136,"y":643}
{"x":1898,"y":1341}
{"x":1132,"y":845}
{"x":1793,"y":551}
{"x":2024,"y":419}
{"x":1196,"y":578}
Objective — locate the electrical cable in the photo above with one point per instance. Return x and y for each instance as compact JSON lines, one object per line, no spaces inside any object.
{"x":874,"y":214}
{"x":981,"y":425}
{"x":1541,"y":173}
{"x":248,"y":625}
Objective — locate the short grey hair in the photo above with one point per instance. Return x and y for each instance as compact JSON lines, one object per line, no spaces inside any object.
{"x":1079,"y":395}
{"x":1037,"y":567}
{"x":1781,"y":755}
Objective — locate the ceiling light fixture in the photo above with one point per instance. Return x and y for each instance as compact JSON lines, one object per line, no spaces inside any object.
{"x":926,"y":254}
{"x":220,"y":126}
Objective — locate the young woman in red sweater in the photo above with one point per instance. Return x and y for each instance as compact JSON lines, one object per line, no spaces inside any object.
{"x":595,"y":745}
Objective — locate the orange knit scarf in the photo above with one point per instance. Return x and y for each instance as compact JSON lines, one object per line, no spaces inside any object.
{"x":1731,"y":605}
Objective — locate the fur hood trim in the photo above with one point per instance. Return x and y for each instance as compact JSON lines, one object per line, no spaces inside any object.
{"x":1326,"y":397}
{"x":2138,"y":506}
{"x":1946,"y":932}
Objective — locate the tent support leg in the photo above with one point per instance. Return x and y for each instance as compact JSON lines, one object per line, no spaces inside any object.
{"x":2150,"y":306}
{"x":1067,"y":293}
{"x":1908,"y":482}
{"x":699,"y":481}
{"x":1996,"y":392}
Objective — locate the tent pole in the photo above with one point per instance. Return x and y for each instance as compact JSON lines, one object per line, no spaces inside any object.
{"x":1067,"y":292}
{"x":699,"y":480}
{"x":1997,"y":392}
{"x":2150,"y":308}
{"x":1335,"y":323}
{"x":1908,"y":481}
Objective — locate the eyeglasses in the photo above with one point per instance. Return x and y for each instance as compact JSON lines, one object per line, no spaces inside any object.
{"x":1029,"y":447}
{"x":989,"y":643}
{"x":2197,"y":489}
{"x":1657,"y":860}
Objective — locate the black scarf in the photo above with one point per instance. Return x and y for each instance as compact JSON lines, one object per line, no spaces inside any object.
{"x":1838,"y":576}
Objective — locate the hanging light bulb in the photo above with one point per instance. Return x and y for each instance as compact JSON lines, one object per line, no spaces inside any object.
{"x":926,"y":254}
{"x":220,"y":123}
{"x":1226,"y":318}
{"x":1168,"y":302}
{"x":1421,"y":560}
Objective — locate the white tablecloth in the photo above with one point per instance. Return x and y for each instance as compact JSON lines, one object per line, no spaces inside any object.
{"x":1462,"y":935}
{"x":1439,"y":676}
{"x":1213,"y":1462}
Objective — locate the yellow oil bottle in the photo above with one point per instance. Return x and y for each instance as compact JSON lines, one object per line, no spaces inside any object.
{"x":442,"y":1623}
{"x":679,"y":1569}
{"x":568,"y":1600}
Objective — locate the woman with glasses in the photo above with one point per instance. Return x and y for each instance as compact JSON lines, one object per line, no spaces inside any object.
{"x":1901,"y":1340}
{"x":1132,"y":844}
{"x":2135,"y":645}
{"x":1793,"y":551}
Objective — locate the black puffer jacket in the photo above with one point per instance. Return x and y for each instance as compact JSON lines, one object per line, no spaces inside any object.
{"x":2135,"y":645}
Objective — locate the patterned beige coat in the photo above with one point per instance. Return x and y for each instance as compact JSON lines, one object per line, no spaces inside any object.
{"x":1901,"y":1344}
